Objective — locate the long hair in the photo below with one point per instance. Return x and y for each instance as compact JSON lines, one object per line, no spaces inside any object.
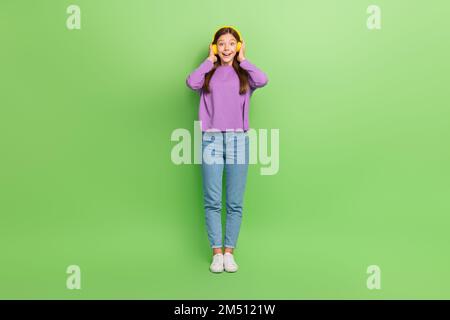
{"x":242,"y":74}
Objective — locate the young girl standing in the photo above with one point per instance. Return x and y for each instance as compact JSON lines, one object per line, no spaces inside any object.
{"x":225,"y":81}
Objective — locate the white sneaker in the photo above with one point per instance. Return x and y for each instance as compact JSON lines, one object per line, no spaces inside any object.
{"x":229,"y":263}
{"x":217,"y":263}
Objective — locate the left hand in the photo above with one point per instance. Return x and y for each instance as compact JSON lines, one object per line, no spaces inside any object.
{"x":241,"y":55}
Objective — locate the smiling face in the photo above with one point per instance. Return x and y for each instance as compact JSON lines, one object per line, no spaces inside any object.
{"x":226,"y":47}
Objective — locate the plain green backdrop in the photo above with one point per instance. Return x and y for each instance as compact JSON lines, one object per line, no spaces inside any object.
{"x":85,"y":171}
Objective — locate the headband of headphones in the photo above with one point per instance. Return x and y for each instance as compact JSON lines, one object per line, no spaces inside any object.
{"x":228,"y":27}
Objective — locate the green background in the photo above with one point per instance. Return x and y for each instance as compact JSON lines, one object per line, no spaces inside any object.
{"x":86,"y":176}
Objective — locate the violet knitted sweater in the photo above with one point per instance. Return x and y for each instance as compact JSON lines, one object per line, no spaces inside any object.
{"x":224,"y":108}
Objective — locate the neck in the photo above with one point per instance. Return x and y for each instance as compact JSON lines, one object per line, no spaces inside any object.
{"x":226,"y":63}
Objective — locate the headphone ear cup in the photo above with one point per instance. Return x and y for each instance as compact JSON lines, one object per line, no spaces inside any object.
{"x":214,"y":47}
{"x":238,"y":46}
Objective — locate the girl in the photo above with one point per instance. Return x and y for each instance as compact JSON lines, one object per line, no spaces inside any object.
{"x":225,"y":81}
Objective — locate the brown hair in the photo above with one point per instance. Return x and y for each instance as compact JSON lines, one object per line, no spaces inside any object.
{"x":242,"y":74}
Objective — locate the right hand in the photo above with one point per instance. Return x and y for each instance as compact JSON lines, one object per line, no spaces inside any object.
{"x":212,"y":57}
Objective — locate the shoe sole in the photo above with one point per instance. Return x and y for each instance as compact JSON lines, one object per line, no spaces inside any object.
{"x":220,"y":270}
{"x":216,"y":271}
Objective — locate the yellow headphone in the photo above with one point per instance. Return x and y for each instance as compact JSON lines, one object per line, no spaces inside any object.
{"x":238,"y":46}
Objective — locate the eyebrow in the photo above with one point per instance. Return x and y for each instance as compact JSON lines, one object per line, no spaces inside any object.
{"x":224,"y":40}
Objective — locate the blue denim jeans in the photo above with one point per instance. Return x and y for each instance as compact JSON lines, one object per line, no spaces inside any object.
{"x":230,"y":151}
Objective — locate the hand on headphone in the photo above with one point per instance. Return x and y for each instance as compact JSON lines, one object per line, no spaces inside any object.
{"x":241,"y":55}
{"x":212,"y":57}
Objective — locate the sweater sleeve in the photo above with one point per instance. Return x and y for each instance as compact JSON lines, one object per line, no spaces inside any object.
{"x":196,"y":78}
{"x":257,"y":78}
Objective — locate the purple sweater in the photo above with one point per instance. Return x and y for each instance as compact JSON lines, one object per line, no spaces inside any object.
{"x":224,"y":108}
